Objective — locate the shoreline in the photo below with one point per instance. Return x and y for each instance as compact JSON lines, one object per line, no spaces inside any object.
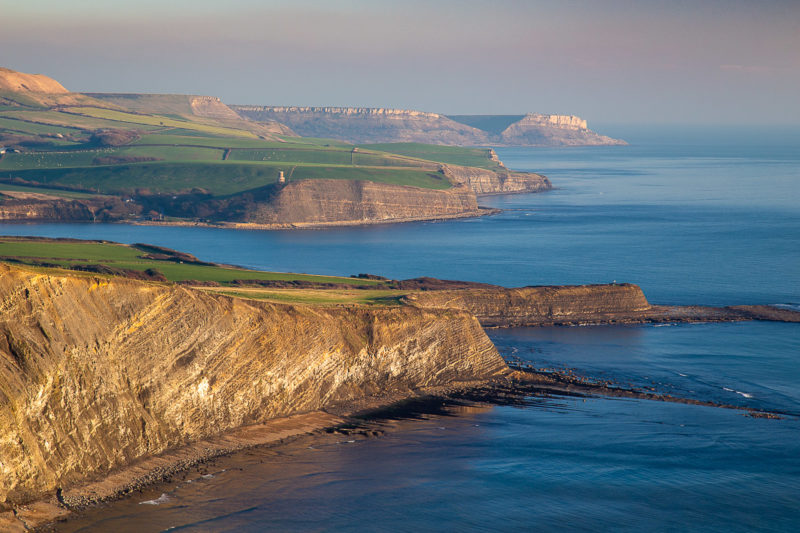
{"x":361,"y":417}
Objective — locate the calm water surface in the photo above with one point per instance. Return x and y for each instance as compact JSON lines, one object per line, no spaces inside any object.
{"x":690,"y":220}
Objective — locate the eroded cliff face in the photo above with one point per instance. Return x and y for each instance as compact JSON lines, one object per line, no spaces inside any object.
{"x":45,"y":210}
{"x":368,"y":125}
{"x":553,"y":130}
{"x":358,"y":202}
{"x":535,"y":306}
{"x":95,"y":373}
{"x":484,"y":182}
{"x":378,"y":125}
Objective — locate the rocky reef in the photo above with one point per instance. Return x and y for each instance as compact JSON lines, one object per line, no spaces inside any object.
{"x":98,"y":372}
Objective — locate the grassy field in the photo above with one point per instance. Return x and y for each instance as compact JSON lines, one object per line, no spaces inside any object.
{"x":68,"y":254}
{"x":455,"y":155}
{"x":218,"y":178}
{"x":171,"y":154}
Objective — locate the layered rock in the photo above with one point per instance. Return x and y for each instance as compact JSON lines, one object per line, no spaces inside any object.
{"x":566,"y":304}
{"x":486,"y":182}
{"x":379,"y":125}
{"x":95,"y":373}
{"x":553,"y":130}
{"x":50,"y":210}
{"x":368,"y":125}
{"x":325,"y":201}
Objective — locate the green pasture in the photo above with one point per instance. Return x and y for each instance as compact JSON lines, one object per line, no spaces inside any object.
{"x":67,"y":254}
{"x":219,"y":178}
{"x":454,"y":155}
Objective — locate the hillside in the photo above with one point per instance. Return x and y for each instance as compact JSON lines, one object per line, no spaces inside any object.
{"x":188,"y":158}
{"x":378,"y":125}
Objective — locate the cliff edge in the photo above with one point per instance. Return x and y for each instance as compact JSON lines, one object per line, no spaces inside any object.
{"x":97,"y":372}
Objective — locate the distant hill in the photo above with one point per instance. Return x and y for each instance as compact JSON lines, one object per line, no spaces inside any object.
{"x":192,"y":107}
{"x":379,"y":125}
{"x":173,"y":158}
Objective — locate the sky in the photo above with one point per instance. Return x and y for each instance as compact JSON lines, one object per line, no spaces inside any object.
{"x":609,"y":61}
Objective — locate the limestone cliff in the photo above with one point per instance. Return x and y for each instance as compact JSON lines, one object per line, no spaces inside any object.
{"x":368,"y":125}
{"x":553,"y":130}
{"x":378,"y":125}
{"x":95,"y":373}
{"x":568,"y":304}
{"x":45,"y":210}
{"x":485,"y":182}
{"x":325,"y":201}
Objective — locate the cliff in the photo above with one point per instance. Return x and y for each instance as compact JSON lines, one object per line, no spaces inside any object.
{"x":95,"y":373}
{"x":568,"y":304}
{"x":56,"y":210}
{"x":378,"y":125}
{"x":485,"y":182}
{"x":368,"y":125}
{"x":325,"y":201}
{"x":553,"y":130}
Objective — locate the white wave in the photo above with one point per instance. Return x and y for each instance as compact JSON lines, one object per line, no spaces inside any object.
{"x":727,"y":389}
{"x":746,"y":395}
{"x":158,"y":501}
{"x":789,"y":306}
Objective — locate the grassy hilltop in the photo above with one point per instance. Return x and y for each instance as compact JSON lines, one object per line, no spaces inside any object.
{"x":125,"y":144}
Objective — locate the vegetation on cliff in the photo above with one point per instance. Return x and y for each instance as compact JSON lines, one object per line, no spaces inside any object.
{"x":186,"y":157}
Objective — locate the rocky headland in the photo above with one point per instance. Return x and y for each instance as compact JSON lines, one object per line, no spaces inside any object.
{"x":99,"y":372}
{"x":379,"y":125}
{"x":108,"y":383}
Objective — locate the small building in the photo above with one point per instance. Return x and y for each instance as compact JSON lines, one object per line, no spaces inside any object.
{"x":281,"y":177}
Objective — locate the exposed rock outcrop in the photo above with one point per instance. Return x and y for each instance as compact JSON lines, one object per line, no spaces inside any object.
{"x":553,"y":130}
{"x":95,"y":372}
{"x":368,"y":125}
{"x":378,"y":125}
{"x":50,"y":210}
{"x":567,"y":304}
{"x":485,"y":182}
{"x":324,"y":201}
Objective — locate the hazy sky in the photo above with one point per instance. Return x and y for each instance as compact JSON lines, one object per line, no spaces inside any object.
{"x":701,"y":61}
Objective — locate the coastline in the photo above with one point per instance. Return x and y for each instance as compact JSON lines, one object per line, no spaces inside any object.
{"x":481,"y":212}
{"x":361,"y":417}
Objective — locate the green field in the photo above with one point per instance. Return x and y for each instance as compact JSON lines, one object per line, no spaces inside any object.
{"x":455,"y":155}
{"x":218,"y":178}
{"x":68,"y":254}
{"x":170,"y":153}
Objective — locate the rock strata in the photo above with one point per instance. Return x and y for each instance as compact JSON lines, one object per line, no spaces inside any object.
{"x":326,"y":201}
{"x":379,"y":125}
{"x":98,"y":372}
{"x":569,"y":305}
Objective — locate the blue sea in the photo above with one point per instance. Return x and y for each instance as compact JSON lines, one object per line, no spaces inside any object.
{"x":693,"y":215}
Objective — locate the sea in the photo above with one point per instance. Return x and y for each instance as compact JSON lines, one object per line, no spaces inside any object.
{"x":694,"y":215}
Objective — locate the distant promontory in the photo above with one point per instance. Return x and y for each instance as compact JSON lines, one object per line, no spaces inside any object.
{"x":379,"y":125}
